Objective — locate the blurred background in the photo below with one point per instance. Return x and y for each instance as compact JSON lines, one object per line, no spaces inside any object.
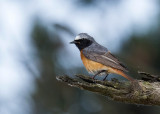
{"x":34,"y":49}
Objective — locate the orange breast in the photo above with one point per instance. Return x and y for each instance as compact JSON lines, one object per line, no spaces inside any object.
{"x":92,"y":66}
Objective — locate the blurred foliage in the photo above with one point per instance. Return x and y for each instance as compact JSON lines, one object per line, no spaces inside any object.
{"x":49,"y":96}
{"x":142,"y":51}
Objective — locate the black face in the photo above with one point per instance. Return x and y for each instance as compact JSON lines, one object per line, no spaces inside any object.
{"x":82,"y":43}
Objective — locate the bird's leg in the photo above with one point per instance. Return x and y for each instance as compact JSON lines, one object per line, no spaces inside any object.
{"x":98,"y":73}
{"x":105,"y":76}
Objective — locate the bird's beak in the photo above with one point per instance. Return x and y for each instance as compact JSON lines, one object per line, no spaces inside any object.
{"x":73,"y":42}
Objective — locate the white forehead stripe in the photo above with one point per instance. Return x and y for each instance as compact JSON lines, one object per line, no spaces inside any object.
{"x":77,"y":37}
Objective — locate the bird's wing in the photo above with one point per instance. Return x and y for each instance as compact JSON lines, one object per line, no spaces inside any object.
{"x":104,"y":57}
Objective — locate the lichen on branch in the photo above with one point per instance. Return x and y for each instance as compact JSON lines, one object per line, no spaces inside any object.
{"x":136,"y":92}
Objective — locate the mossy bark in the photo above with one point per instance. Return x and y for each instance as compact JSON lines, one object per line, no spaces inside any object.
{"x":136,"y":92}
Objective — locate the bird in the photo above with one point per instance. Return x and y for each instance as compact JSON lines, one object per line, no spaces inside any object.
{"x":97,"y":59}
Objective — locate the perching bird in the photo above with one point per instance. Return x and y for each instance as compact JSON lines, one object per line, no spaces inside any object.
{"x":97,"y":59}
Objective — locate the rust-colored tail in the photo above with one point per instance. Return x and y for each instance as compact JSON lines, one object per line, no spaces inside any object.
{"x":124,"y":75}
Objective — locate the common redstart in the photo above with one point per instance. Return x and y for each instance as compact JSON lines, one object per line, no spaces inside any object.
{"x":97,"y":59}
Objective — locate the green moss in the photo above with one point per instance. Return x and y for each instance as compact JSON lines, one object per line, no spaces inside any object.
{"x":146,"y":83}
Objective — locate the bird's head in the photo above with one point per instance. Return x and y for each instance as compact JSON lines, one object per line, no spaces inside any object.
{"x":82,"y":41}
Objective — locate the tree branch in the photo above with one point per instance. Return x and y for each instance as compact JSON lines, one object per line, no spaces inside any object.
{"x":137,"y":92}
